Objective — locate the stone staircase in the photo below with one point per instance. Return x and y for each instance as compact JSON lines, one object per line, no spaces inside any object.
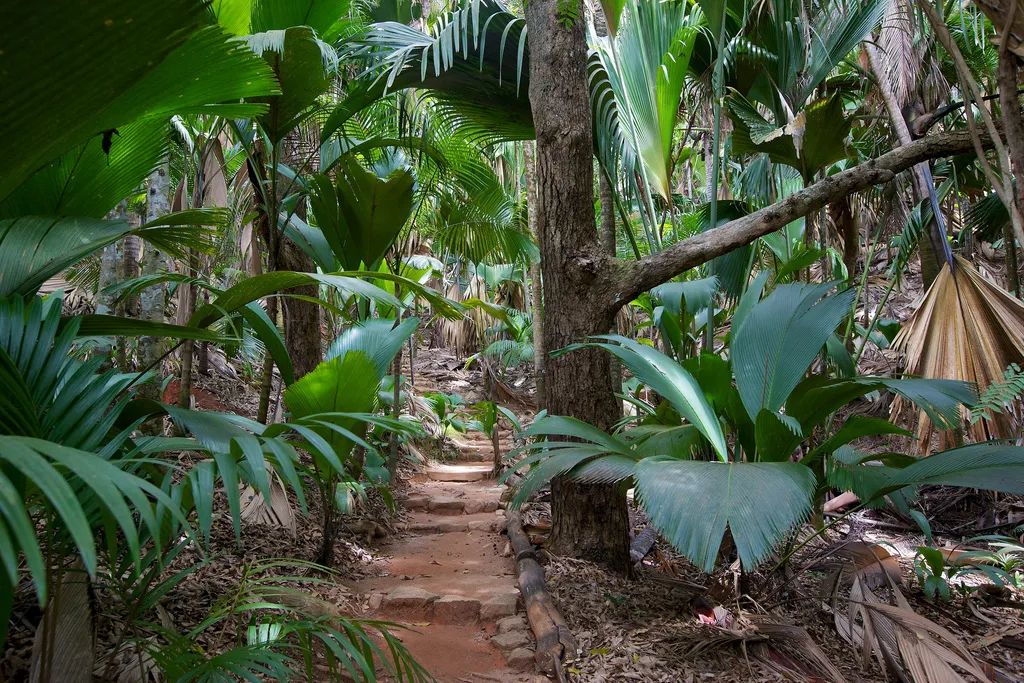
{"x":448,"y":577}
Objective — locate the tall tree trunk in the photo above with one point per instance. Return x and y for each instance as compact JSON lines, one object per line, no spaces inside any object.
{"x":588,"y":521}
{"x":153,"y":300}
{"x":111,"y":263}
{"x":301,"y":318}
{"x":1013,"y":128}
{"x":267,"y":376}
{"x":130,"y":268}
{"x":536,"y":288}
{"x":847,"y":226}
{"x":609,"y":246}
{"x":929,"y":252}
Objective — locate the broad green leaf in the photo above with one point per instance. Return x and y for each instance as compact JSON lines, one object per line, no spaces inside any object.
{"x":116,"y":326}
{"x":319,"y":15}
{"x":259,"y":286}
{"x":362,"y":214}
{"x":346,"y":384}
{"x":693,"y":502}
{"x":143,"y":61}
{"x":85,"y":181}
{"x":673,"y":383}
{"x":35,"y":248}
{"x":780,"y":338}
{"x":989,"y":466}
{"x":380,"y":339}
{"x":303,"y":66}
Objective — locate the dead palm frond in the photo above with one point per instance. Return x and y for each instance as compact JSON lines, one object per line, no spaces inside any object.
{"x":914,"y":647}
{"x":901,"y":57}
{"x":465,"y":336}
{"x":967,"y":328}
{"x":778,"y":644}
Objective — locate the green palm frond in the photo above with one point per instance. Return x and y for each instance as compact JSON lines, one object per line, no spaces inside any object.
{"x":779,"y":339}
{"x":145,"y":62}
{"x":35,"y":248}
{"x":87,"y":181}
{"x":693,"y":502}
{"x":646,"y":68}
{"x":476,"y":61}
{"x":671,"y":381}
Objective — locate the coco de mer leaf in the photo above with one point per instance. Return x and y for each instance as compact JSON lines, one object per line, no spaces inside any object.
{"x":693,"y":502}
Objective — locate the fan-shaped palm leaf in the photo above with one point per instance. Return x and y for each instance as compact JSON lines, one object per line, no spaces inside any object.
{"x":967,"y":329}
{"x":693,"y":502}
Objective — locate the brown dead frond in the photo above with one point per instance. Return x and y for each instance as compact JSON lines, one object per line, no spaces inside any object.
{"x":278,"y":512}
{"x":776,"y":642}
{"x":967,"y":328}
{"x":465,"y":335}
{"x":867,"y":561}
{"x":911,"y":646}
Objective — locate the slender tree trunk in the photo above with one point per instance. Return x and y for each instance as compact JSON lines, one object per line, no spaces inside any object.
{"x":1013,"y":128}
{"x":396,"y":372}
{"x":130,"y":267}
{"x":536,"y":288}
{"x":846,"y":225}
{"x":301,"y":318}
{"x":608,"y":244}
{"x":153,"y":300}
{"x":186,"y":306}
{"x":267,"y":377}
{"x":588,"y":521}
{"x":110,"y":266}
{"x":187,"y":300}
{"x":929,"y":252}
{"x":111,"y":263}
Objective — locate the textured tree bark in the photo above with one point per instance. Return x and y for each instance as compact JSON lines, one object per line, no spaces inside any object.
{"x":536,"y":289}
{"x":588,"y":521}
{"x":111,"y":263}
{"x":153,"y":300}
{"x":130,"y":268}
{"x":847,"y":226}
{"x":1013,"y":127}
{"x":301,"y":318}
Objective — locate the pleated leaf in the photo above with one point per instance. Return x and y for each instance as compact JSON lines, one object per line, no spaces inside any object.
{"x":144,"y":60}
{"x":378,"y":338}
{"x":780,"y":338}
{"x":673,"y":383}
{"x":693,"y":502}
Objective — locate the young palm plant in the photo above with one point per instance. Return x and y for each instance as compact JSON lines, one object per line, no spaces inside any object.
{"x":745,"y":443}
{"x":77,"y":485}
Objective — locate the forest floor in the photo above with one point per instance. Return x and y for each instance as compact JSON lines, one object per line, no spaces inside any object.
{"x":439,"y":567}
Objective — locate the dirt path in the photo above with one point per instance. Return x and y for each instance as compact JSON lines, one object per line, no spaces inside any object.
{"x":447,"y":578}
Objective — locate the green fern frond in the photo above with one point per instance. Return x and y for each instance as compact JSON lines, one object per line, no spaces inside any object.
{"x":999,"y":396}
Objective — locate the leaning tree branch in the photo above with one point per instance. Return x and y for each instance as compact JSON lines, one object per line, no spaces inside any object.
{"x":639,"y":276}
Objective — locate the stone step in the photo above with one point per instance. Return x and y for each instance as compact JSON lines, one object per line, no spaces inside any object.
{"x":425,"y":524}
{"x":451,"y":505}
{"x":461,"y":472}
{"x":413,"y":602}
